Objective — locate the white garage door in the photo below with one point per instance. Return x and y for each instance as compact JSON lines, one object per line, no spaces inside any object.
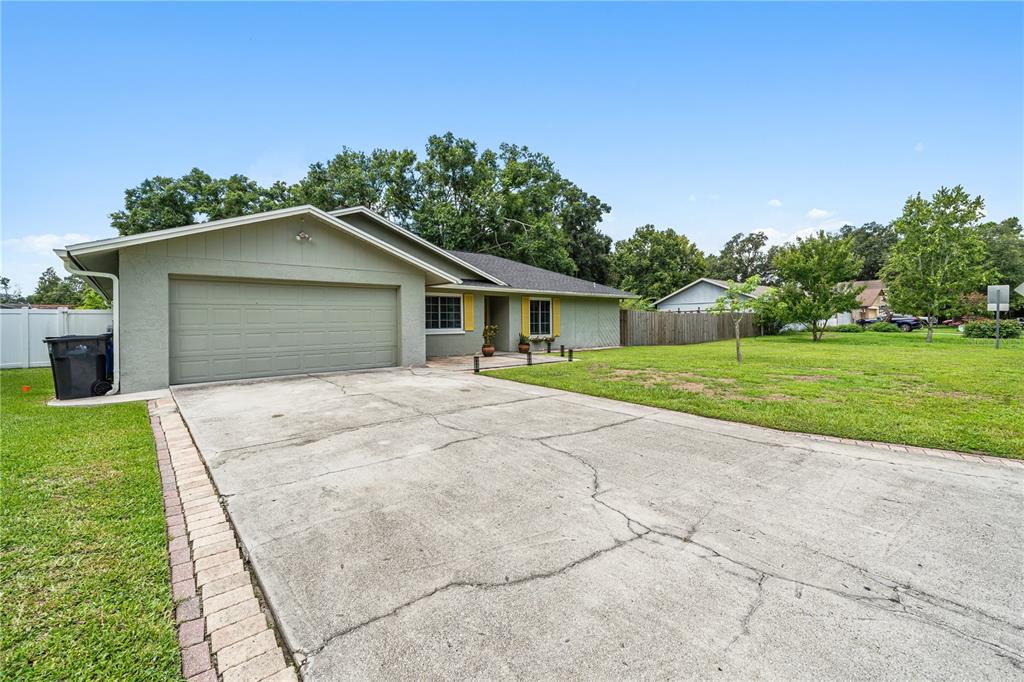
{"x":234,"y":330}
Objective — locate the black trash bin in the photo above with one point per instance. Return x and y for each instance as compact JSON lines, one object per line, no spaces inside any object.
{"x":79,"y":365}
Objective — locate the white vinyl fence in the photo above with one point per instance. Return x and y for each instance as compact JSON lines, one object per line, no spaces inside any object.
{"x":22,"y":332}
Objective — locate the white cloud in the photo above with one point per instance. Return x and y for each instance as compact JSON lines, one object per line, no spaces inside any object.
{"x":775,"y":203}
{"x":43,"y":244}
{"x":919,"y":147}
{"x":25,"y":257}
{"x":818,"y":213}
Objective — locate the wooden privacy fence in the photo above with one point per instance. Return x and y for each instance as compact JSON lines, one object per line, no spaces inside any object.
{"x":655,"y":328}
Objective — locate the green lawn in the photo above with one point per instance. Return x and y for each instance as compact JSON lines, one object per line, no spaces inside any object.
{"x":956,"y":393}
{"x":84,"y":582}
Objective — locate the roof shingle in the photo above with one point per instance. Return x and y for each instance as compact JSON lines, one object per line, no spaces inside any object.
{"x":521,"y":276}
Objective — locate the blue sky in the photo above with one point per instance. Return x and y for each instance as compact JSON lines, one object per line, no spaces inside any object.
{"x":709,"y":118}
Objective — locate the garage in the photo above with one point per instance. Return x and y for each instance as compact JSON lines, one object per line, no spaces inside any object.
{"x":238,"y":329}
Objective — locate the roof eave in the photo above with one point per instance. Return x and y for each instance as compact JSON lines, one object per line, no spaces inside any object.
{"x":117,"y":243}
{"x":546,"y":292}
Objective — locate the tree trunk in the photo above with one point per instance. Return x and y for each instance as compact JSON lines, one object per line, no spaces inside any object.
{"x":929,"y":328}
{"x":739,"y":355}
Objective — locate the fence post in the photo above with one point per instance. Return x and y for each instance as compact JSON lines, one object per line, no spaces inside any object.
{"x":27,"y":362}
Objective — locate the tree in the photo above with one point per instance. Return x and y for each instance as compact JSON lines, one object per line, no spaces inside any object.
{"x":54,"y":290}
{"x":1004,"y":246}
{"x":9,"y":294}
{"x":92,"y":300}
{"x":736,"y":301}
{"x":871,"y":242}
{"x":653,"y":263}
{"x":939,"y":255}
{"x":160,"y":202}
{"x":511,"y":202}
{"x":742,"y":257}
{"x":813,"y":272}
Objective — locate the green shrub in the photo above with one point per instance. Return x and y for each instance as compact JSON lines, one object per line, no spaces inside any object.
{"x":846,"y":328}
{"x":986,"y":329}
{"x":883,"y":327}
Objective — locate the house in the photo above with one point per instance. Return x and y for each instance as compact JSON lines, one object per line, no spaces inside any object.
{"x":303,"y":290}
{"x":699,"y":295}
{"x":872,"y":300}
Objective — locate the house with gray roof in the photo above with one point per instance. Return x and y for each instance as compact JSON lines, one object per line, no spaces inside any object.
{"x":302,"y":290}
{"x":699,"y":295}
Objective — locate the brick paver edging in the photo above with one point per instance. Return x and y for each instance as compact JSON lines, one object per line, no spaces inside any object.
{"x":223,"y":631}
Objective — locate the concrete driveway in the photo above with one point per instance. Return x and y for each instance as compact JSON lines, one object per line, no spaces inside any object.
{"x":424,"y":524}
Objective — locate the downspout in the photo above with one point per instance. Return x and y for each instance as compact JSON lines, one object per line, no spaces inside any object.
{"x":115,"y":304}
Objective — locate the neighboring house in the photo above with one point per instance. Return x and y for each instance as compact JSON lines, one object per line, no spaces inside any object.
{"x":699,"y":295}
{"x":302,"y":290}
{"x":872,"y":300}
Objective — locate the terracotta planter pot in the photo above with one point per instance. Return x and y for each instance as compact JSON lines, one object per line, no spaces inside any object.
{"x":524,"y":347}
{"x":487,"y":350}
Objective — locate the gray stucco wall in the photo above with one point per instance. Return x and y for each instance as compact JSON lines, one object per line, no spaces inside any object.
{"x":700,"y":296}
{"x":585,"y":323}
{"x":262,"y":251}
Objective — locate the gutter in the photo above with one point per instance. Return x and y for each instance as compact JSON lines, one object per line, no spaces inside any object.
{"x":115,"y":305}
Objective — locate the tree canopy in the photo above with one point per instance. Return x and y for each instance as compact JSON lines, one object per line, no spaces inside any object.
{"x":813,"y":271}
{"x":653,"y":263}
{"x":939,"y":255}
{"x":1004,"y":246}
{"x":53,"y":289}
{"x":742,"y":257}
{"x":871,"y":242}
{"x":512,"y":202}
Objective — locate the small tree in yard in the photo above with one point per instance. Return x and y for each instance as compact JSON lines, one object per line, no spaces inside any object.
{"x":813,"y":272}
{"x":939,"y":255}
{"x":737,"y":301}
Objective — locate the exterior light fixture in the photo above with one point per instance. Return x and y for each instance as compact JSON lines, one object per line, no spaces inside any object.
{"x":303,"y":237}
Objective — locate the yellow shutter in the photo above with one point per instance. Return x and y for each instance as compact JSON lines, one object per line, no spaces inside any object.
{"x":526,"y":315}
{"x":467,"y":312}
{"x":556,"y":318}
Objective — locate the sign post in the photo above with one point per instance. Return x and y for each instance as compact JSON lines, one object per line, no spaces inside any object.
{"x":997,"y":294}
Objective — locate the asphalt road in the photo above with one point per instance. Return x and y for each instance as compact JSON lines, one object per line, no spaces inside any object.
{"x":423,"y":524}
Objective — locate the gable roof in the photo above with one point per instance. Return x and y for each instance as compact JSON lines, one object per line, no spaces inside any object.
{"x":874,"y":289}
{"x":521,"y":276}
{"x":115,"y":243}
{"x":495,"y":272}
{"x":409,"y":234}
{"x":720,"y":283}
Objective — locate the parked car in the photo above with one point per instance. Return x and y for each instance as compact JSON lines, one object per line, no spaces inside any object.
{"x":961,"y":319}
{"x":906,"y":323}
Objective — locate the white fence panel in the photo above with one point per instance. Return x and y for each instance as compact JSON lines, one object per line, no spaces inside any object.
{"x":22,"y":332}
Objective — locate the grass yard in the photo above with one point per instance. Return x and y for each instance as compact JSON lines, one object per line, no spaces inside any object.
{"x":84,"y":582}
{"x":958,"y":394}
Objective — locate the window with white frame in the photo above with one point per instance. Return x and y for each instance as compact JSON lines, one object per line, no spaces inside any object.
{"x":540,"y":317}
{"x":444,"y":312}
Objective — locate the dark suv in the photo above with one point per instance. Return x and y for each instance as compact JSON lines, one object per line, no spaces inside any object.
{"x":906,"y":323}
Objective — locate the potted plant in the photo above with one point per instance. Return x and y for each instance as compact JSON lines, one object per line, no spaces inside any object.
{"x":524,"y":343}
{"x":490,"y":332}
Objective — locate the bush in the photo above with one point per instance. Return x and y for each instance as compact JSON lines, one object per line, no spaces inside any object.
{"x":846,"y":328}
{"x":883,"y":327}
{"x":986,"y":329}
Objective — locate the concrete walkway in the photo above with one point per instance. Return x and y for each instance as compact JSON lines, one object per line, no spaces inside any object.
{"x":427,"y":524}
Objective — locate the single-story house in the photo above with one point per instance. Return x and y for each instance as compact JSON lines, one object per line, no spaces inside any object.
{"x":872,"y":300}
{"x":699,"y":295}
{"x":303,"y":290}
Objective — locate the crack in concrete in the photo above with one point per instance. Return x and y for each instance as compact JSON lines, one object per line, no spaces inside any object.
{"x":745,"y":621}
{"x":459,"y":584}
